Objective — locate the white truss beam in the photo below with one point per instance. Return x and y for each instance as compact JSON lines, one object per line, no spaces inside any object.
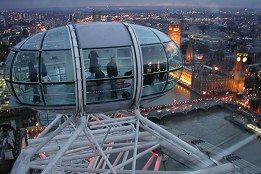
{"x":109,"y":145}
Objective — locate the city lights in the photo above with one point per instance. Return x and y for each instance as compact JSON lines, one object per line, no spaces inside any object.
{"x":220,"y":71}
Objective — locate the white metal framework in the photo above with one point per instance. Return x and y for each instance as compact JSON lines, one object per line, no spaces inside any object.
{"x":104,"y":144}
{"x":101,"y":144}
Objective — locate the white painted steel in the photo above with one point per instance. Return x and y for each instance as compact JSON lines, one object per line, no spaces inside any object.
{"x":110,"y":148}
{"x":78,"y":72}
{"x":55,"y":121}
{"x":138,"y":68}
{"x":59,"y":154}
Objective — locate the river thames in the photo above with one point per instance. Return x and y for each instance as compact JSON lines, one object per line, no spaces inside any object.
{"x":212,"y":127}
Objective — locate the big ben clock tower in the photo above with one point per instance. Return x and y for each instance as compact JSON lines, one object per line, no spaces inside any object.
{"x":239,"y":71}
{"x":174,"y":33}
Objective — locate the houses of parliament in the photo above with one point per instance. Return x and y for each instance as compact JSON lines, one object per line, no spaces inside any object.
{"x":210,"y":80}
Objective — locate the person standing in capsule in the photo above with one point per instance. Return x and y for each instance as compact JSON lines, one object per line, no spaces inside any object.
{"x":93,"y":62}
{"x":33,"y":78}
{"x":112,"y":72}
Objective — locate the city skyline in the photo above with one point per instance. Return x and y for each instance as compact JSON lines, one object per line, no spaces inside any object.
{"x":16,"y":4}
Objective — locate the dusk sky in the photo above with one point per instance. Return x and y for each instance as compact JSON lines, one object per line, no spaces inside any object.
{"x":85,"y":3}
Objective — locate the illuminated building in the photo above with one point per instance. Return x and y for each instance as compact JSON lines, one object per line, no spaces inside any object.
{"x":189,"y":53}
{"x":96,"y":16}
{"x":4,"y":94}
{"x":215,"y":83}
{"x":186,"y":76}
{"x":205,"y":80}
{"x":174,"y":31}
{"x":239,"y":71}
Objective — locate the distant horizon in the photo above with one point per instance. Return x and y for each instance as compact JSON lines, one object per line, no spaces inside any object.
{"x":211,"y":4}
{"x":128,"y":7}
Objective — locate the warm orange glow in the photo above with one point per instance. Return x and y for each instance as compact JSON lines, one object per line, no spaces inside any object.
{"x":186,"y":77}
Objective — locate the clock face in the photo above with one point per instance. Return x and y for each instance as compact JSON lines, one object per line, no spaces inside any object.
{"x":244,"y":59}
{"x":238,"y":59}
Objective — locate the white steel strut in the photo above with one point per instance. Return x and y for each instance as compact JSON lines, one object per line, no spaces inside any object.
{"x":101,"y":144}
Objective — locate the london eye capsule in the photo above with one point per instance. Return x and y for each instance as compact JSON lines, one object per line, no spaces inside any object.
{"x":92,"y":67}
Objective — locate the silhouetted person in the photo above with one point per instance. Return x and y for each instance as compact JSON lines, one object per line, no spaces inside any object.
{"x":45,"y":77}
{"x":112,"y":71}
{"x":148,"y":78}
{"x":33,"y":78}
{"x":99,"y":75}
{"x":93,"y":62}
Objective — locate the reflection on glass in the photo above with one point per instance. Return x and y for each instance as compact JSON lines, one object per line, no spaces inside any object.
{"x":173,"y":55}
{"x":28,"y":93}
{"x":59,"y":94}
{"x":163,"y":37}
{"x":8,"y":65}
{"x":57,"y":38}
{"x":21,"y":71}
{"x":58,"y":65}
{"x":34,"y":42}
{"x":100,"y":90}
{"x":173,"y":79}
{"x":174,"y":75}
{"x":145,"y":35}
{"x":154,"y":59}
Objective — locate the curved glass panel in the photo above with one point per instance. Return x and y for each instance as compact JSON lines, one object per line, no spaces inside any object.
{"x":57,"y":66}
{"x":173,"y":55}
{"x":145,"y":35}
{"x":34,"y":42}
{"x":57,"y":38}
{"x":25,"y":67}
{"x":59,"y":94}
{"x":21,"y":43}
{"x":162,"y":36}
{"x":8,"y":65}
{"x":111,"y":63}
{"x":28,"y":93}
{"x":103,"y":34}
{"x":173,"y":79}
{"x":155,"y":70}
